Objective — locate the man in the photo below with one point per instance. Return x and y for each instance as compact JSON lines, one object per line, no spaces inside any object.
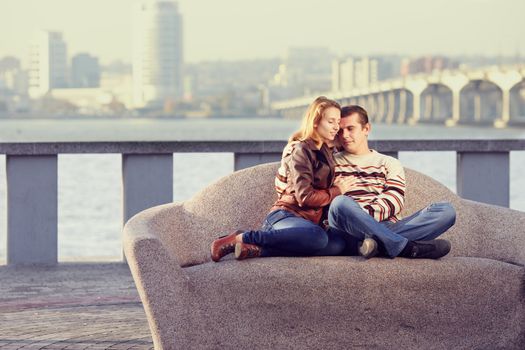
{"x":370,"y":211}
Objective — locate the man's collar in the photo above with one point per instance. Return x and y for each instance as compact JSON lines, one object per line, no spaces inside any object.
{"x":370,"y":151}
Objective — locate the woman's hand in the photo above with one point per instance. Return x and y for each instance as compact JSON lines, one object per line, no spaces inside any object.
{"x":345,"y":183}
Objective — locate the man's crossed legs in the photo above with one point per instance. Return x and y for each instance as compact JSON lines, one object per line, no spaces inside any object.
{"x":413,"y":237}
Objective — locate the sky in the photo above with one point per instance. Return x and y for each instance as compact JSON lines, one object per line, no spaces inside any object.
{"x":250,"y":29}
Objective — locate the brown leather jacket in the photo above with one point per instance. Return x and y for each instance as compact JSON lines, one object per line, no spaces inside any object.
{"x":309,"y":181}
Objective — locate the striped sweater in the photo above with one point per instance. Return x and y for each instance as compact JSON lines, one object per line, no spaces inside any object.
{"x":380,"y":186}
{"x":281,"y":178}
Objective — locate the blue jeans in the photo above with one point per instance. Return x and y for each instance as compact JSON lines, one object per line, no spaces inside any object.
{"x":347,"y":216}
{"x":286,"y":234}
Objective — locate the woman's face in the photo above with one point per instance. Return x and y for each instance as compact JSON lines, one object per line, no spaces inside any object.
{"x":329,"y":124}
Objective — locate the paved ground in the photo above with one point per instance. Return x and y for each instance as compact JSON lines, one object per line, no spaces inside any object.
{"x":71,"y":306}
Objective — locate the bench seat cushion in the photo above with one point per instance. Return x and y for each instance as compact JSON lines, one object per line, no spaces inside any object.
{"x":461,"y":302}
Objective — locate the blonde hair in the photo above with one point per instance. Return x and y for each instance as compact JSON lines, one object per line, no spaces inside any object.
{"x":312,"y":117}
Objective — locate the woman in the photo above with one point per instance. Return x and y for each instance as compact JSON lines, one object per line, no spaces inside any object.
{"x":292,"y":228}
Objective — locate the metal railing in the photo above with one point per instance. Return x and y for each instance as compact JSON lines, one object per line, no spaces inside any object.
{"x":482,"y":174}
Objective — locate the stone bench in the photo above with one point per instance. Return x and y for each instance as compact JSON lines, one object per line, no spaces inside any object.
{"x":471,"y":299}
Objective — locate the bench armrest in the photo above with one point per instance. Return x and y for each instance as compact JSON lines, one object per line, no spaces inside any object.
{"x":499,"y":232}
{"x":163,"y":286}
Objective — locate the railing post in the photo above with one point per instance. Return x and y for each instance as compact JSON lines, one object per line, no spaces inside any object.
{"x":484,"y":177}
{"x":32,"y":209}
{"x":246,"y":160}
{"x":147,"y":181}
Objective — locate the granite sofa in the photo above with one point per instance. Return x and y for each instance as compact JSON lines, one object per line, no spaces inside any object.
{"x":471,"y":299}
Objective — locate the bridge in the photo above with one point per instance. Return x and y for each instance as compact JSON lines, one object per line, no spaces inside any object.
{"x":492,"y":95}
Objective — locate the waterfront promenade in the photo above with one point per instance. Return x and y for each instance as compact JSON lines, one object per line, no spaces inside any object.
{"x":71,"y":306}
{"x":96,"y":306}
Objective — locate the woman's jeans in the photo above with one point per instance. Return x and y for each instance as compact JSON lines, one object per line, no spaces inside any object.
{"x":347,"y":216}
{"x":286,"y":234}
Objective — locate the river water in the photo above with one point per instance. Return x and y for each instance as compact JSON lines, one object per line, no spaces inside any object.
{"x":90,"y":186}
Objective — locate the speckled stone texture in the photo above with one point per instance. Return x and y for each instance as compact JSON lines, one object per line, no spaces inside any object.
{"x":471,"y":299}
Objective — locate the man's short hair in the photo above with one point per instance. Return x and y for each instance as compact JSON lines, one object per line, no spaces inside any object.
{"x":347,"y":111}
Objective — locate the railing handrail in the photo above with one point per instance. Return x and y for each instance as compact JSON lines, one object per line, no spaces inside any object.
{"x":247,"y":146}
{"x":482,"y":174}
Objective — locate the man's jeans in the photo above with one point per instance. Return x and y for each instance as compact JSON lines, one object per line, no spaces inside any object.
{"x":285,"y":234}
{"x":347,"y":216}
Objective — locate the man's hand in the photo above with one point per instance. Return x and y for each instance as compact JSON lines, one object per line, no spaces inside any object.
{"x":345,"y":183}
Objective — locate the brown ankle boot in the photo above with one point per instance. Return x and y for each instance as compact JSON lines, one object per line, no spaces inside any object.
{"x":223,"y":246}
{"x":245,"y":251}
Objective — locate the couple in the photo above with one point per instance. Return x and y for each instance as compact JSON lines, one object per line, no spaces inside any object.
{"x":358,"y":192}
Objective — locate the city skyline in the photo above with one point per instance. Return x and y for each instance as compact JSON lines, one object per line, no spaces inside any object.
{"x":157,"y":55}
{"x":236,"y":30}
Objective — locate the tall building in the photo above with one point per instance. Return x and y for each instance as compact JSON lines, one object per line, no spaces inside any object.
{"x":85,"y":71}
{"x":47,"y":63}
{"x":157,"y":53}
{"x":343,"y":74}
{"x":336,"y":75}
{"x":353,"y":73}
{"x":365,"y":72}
{"x":13,"y":79}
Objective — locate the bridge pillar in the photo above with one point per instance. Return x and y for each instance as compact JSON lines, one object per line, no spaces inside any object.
{"x":456,"y":100}
{"x":372,"y":108}
{"x":416,"y":87}
{"x":403,"y":101}
{"x":456,"y":83}
{"x":505,"y":110}
{"x":429,"y":107}
{"x":435,"y":109}
{"x":362,"y":102}
{"x":391,"y":107}
{"x":505,"y":81}
{"x":380,"y":107}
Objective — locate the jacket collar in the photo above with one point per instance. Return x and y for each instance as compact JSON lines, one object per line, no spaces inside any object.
{"x":311,"y":144}
{"x":326,"y":151}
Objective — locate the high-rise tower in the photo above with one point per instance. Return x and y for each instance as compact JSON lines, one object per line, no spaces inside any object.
{"x":157,"y":53}
{"x":47,"y":63}
{"x":85,"y":71}
{"x":353,"y":73}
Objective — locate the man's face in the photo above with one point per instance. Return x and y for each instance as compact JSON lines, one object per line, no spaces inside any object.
{"x":353,"y":136}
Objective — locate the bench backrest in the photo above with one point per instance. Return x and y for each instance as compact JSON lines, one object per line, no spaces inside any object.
{"x":241,"y":201}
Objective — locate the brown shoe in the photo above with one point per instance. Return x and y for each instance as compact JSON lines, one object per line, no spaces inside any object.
{"x":245,"y":251}
{"x":223,"y":246}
